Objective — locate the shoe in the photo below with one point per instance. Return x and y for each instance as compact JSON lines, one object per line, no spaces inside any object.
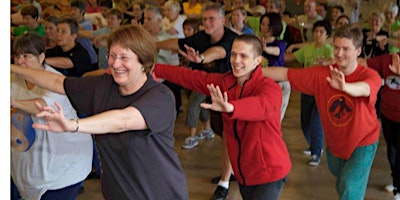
{"x":205,"y":134}
{"x":307,"y":152}
{"x":315,"y":160}
{"x":389,"y":188}
{"x":190,"y":142}
{"x":215,"y":180}
{"x":220,"y":193}
{"x":396,"y":197}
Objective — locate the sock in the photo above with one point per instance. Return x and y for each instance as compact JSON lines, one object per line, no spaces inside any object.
{"x":224,"y":184}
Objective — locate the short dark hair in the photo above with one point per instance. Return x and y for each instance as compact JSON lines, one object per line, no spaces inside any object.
{"x":350,"y":32}
{"x":29,"y":43}
{"x":253,"y":40}
{"x":30,"y":10}
{"x":323,"y":5}
{"x":192,"y":22}
{"x":117,"y":12}
{"x":275,"y":23}
{"x":53,"y":19}
{"x":338,"y":7}
{"x":325,"y":24}
{"x":81,"y":4}
{"x":73,"y":25}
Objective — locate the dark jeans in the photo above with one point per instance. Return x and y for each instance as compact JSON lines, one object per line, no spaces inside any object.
{"x":67,"y":193}
{"x":311,"y":124}
{"x":391,"y":132}
{"x":268,"y":191}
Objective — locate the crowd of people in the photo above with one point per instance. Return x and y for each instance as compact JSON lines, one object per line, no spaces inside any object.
{"x":105,"y":79}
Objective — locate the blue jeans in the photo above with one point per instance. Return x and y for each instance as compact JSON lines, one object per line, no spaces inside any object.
{"x":352,"y":174}
{"x":311,"y":124}
{"x":270,"y":191}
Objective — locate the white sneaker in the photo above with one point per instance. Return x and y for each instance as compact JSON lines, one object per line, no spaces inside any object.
{"x":396,"y":197}
{"x":190,"y":142}
{"x":205,"y":134}
{"x":389,"y":188}
{"x":307,"y":152}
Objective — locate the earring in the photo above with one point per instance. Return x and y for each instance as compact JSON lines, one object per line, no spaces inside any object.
{"x":142,"y":68}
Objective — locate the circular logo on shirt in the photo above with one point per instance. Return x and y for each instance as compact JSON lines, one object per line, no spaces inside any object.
{"x":22,"y":133}
{"x":340,"y":110}
{"x":393,"y":82}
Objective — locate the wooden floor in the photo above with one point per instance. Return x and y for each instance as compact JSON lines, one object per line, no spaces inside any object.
{"x":304,"y":181}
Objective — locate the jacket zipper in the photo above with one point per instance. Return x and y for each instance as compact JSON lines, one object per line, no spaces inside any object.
{"x":239,"y":142}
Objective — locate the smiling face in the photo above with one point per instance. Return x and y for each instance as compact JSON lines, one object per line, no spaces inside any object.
{"x":264,"y":27}
{"x":213,"y":22}
{"x":125,"y":66}
{"x":346,"y":54}
{"x":51,"y":30}
{"x":243,"y":60}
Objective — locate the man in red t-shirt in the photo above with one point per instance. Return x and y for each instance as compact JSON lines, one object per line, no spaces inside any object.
{"x":345,"y":94}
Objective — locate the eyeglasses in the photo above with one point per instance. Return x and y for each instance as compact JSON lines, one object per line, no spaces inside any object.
{"x":25,"y":56}
{"x":113,"y":58}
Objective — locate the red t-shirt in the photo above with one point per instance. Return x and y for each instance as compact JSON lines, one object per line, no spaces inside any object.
{"x":348,"y":122}
{"x":390,"y":94}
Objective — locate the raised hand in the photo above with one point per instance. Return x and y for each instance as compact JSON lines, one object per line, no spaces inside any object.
{"x":56,"y":121}
{"x":191,"y":54}
{"x":219,"y":101}
{"x":337,"y":79}
{"x":395,"y":66}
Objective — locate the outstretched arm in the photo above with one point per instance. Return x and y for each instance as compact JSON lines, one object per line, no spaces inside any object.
{"x":44,"y":79}
{"x":219,"y":101}
{"x":169,"y":44}
{"x":356,"y":89}
{"x":113,"y":121}
{"x":276,"y":73}
{"x":27,"y":105}
{"x":211,"y":54}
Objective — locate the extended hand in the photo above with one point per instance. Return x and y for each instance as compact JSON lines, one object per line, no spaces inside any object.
{"x":219,"y":102}
{"x":395,"y":66}
{"x":56,"y":121}
{"x":337,"y":79}
{"x":191,"y":54}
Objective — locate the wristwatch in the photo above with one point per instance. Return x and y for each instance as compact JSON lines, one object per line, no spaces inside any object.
{"x":202,"y":58}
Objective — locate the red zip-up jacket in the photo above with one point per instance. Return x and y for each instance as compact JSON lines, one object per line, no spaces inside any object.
{"x":253,"y":134}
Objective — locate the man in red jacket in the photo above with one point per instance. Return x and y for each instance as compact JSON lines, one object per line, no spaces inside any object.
{"x":250,"y":106}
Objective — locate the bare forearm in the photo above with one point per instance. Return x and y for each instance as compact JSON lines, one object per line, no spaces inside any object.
{"x":60,"y":62}
{"x":276,"y":73}
{"x":28,"y":105}
{"x":47,"y":80}
{"x":214,"y":53}
{"x":170,"y":44}
{"x":113,"y":121}
{"x":85,"y":34}
{"x":357,"y":89}
{"x":275,"y":51}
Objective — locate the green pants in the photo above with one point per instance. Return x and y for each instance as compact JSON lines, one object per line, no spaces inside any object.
{"x":352,"y":174}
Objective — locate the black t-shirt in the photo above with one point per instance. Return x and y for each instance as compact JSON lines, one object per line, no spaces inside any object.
{"x":79,"y":57}
{"x":371,"y":48}
{"x":201,"y":41}
{"x":135,"y":164}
